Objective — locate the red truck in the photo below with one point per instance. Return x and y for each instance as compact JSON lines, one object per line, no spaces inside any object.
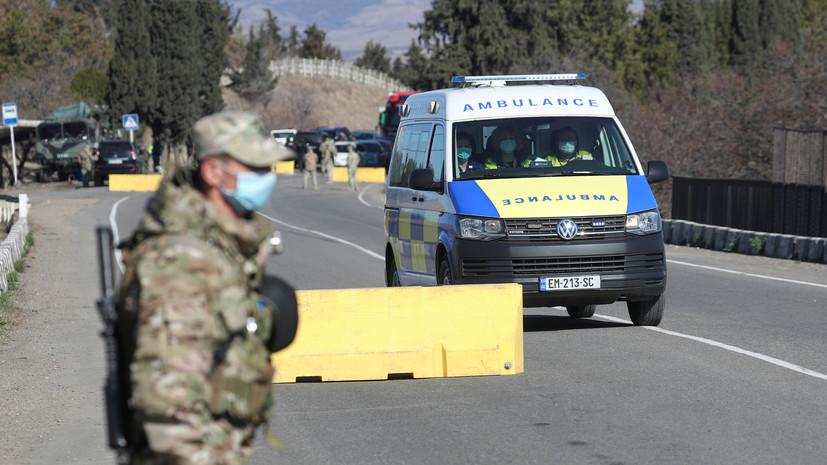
{"x":389,"y":117}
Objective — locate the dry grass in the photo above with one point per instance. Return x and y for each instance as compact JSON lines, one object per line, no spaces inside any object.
{"x":302,"y":103}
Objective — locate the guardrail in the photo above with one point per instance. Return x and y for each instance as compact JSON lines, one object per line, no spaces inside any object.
{"x":13,"y":246}
{"x":752,"y":205}
{"x":336,"y":69}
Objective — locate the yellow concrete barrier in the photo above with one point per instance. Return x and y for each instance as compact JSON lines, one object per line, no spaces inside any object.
{"x":284,"y":167}
{"x":362,"y":174}
{"x":418,"y":332}
{"x":134,"y":182}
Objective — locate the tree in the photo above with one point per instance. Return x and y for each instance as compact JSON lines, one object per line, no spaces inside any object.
{"x":271,"y":33}
{"x":657,"y":53}
{"x":216,"y":22}
{"x":684,"y":23}
{"x":414,"y":73}
{"x":313,"y":45}
{"x":254,"y":81}
{"x":174,"y":41}
{"x":132,"y":77}
{"x":375,"y":57}
{"x":89,"y":84}
{"x":293,"y":41}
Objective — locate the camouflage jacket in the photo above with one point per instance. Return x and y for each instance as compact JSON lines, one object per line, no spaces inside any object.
{"x":192,"y":323}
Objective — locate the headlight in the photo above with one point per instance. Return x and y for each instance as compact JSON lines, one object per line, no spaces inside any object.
{"x":480,"y":228}
{"x":643,"y":223}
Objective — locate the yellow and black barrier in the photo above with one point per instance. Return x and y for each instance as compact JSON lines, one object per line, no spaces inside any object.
{"x":408,"y":332}
{"x":368,"y":175}
{"x":134,"y":182}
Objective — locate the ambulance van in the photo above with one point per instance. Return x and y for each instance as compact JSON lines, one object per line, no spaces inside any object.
{"x":529,"y":183}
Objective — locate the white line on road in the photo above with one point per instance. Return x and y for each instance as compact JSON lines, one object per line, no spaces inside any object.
{"x":702,"y":340}
{"x":326,"y":236}
{"x":365,"y":202}
{"x":752,"y":275}
{"x":113,"y":223}
{"x":731,"y":348}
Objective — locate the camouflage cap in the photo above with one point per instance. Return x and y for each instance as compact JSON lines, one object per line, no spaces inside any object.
{"x":239,"y":135}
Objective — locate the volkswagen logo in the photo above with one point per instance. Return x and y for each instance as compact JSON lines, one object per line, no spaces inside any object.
{"x":567,"y":229}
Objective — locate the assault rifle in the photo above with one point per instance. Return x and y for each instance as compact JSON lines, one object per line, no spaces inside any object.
{"x":115,"y":397}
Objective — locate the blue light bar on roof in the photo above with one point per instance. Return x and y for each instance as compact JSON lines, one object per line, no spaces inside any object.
{"x":519,"y":77}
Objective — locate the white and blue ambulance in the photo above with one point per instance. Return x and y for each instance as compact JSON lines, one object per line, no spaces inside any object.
{"x":536,"y":184}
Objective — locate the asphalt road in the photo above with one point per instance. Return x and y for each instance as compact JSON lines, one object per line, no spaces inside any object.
{"x":735,"y":374}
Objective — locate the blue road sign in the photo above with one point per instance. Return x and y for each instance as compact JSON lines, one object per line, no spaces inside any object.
{"x":9,"y":114}
{"x":130,"y":122}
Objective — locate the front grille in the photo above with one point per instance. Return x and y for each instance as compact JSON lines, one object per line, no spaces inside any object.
{"x":545,"y":229}
{"x":547,"y":266}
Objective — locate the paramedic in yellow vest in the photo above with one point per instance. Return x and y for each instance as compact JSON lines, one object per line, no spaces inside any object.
{"x":506,"y":148}
{"x":567,"y":148}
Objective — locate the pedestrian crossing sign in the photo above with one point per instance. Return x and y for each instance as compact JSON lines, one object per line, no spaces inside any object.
{"x":130,"y":122}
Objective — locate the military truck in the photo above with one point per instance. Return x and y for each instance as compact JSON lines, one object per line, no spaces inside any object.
{"x":61,"y":137}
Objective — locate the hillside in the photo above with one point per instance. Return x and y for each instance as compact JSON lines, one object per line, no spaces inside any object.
{"x":302,"y":102}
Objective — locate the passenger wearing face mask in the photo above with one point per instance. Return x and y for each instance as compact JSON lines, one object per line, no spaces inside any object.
{"x":465,"y":148}
{"x":506,"y":149}
{"x":567,"y":148}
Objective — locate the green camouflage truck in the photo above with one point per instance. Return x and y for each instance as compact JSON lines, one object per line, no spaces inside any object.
{"x":61,"y":137}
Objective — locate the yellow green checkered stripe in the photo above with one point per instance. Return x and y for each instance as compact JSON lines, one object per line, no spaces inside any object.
{"x":418,"y":232}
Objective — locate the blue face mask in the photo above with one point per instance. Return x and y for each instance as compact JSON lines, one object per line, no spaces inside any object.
{"x":508,"y":145}
{"x":567,"y":147}
{"x":463,"y":153}
{"x":252,"y":191}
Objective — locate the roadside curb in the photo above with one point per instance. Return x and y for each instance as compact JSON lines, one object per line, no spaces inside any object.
{"x":723,"y":239}
{"x":13,"y":246}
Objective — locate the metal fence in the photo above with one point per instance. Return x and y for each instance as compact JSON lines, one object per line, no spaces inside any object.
{"x":752,"y":205}
{"x":336,"y":69}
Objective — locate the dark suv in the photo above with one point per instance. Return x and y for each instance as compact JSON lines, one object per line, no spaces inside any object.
{"x":115,"y":157}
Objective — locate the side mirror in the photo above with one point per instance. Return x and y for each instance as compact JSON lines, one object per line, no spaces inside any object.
{"x":657,"y":171}
{"x":423,"y":180}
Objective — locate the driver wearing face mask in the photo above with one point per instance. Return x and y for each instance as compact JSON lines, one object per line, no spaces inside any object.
{"x":506,"y":148}
{"x":567,"y":148}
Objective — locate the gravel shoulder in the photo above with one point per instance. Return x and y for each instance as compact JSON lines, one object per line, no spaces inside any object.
{"x":52,"y":359}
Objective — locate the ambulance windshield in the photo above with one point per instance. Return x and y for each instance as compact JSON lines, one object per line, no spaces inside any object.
{"x":550,"y":146}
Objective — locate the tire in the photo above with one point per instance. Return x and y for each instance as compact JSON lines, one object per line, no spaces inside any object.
{"x":62,"y":176}
{"x":648,"y":312}
{"x":581,"y":311}
{"x":391,"y":274}
{"x":98,"y":181}
{"x":444,"y":276}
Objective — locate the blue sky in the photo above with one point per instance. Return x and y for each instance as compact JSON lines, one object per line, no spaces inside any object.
{"x":349,"y":23}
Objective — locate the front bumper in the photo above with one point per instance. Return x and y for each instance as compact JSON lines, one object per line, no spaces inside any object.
{"x":105,"y":169}
{"x":630,"y":268}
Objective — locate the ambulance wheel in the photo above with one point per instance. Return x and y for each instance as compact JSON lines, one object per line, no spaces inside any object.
{"x":648,"y":312}
{"x":581,"y":311}
{"x":444,"y":277}
{"x":391,"y":273}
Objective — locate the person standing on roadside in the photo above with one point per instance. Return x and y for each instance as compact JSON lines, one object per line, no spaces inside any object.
{"x":192,"y":322}
{"x":86,"y":161}
{"x":310,"y":165}
{"x":328,"y":149}
{"x":352,"y":165}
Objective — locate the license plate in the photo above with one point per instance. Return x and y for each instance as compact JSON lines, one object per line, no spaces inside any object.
{"x":570,"y":283}
{"x":115,"y":162}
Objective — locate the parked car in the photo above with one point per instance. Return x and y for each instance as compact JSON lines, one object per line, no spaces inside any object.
{"x":115,"y":157}
{"x":373,"y":153}
{"x":338,"y":133}
{"x":340,"y":159}
{"x":364,"y":135}
{"x":312,"y":138}
{"x":283,"y":135}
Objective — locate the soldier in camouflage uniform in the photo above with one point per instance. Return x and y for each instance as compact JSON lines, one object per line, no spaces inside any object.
{"x":190,"y":315}
{"x":85,"y":156}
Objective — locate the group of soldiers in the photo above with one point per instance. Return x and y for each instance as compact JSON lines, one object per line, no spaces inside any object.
{"x":328,"y":151}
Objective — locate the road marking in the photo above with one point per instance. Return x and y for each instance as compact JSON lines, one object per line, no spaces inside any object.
{"x":752,"y":275}
{"x":113,"y":223}
{"x":326,"y":236}
{"x":731,"y":348}
{"x":365,"y":202}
